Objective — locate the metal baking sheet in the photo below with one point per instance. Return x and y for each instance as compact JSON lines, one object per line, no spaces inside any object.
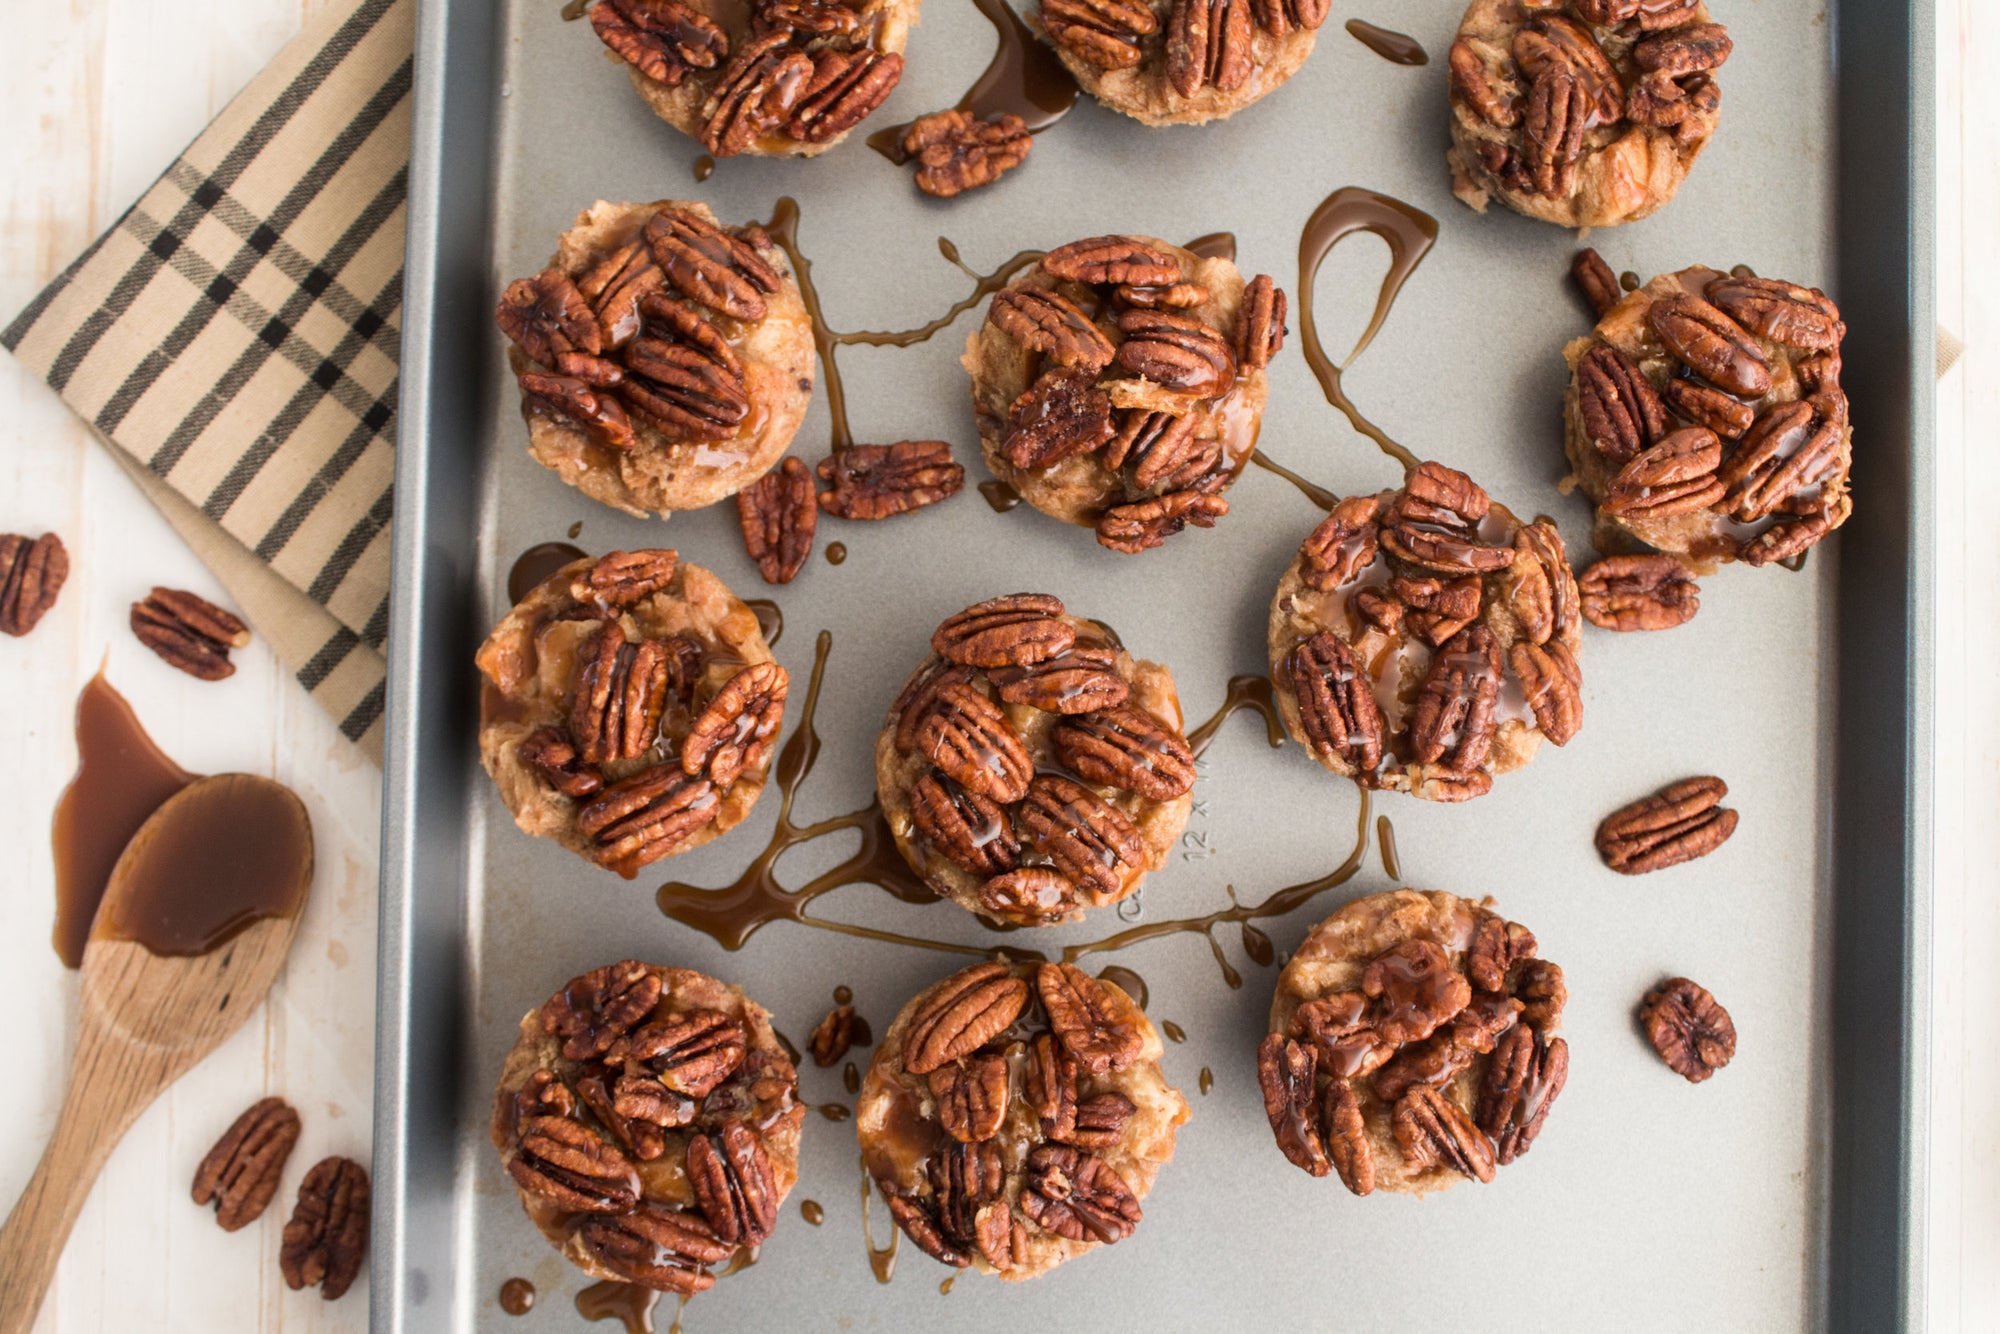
{"x":1784,"y":1193}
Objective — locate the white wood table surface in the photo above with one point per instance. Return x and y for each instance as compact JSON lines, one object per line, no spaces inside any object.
{"x":96,"y":97}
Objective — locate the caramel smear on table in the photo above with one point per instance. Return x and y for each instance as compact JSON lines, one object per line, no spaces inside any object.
{"x":121,"y":778}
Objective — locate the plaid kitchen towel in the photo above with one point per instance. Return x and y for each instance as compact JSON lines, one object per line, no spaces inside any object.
{"x":234,"y":338}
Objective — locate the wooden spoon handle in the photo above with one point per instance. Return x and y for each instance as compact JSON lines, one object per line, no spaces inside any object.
{"x":100,"y":1106}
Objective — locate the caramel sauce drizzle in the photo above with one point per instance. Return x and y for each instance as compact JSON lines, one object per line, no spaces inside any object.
{"x":784,"y":229}
{"x":1207,"y":1080}
{"x":1214,"y":245}
{"x":704,"y":167}
{"x":770,"y":619}
{"x":812,"y":1212}
{"x":1128,"y":982}
{"x":1410,"y":234}
{"x":836,"y":553}
{"x":1312,"y":491}
{"x":1385,"y":839}
{"x":881,"y":1259}
{"x":1395,"y":47}
{"x":1025,"y":78}
{"x":730,"y":914}
{"x":575,"y":9}
{"x":1244,"y":692}
{"x":1277,"y":904}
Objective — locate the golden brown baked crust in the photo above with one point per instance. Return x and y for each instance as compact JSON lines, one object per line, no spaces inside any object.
{"x":1149,"y":60}
{"x":532,"y":663}
{"x":1073,"y":1090}
{"x":1585,"y":113}
{"x":1435,"y":1002}
{"x":1737,"y":444}
{"x":1463,"y":621}
{"x":638,"y":1061}
{"x":1105,"y":481}
{"x":1100,"y":792}
{"x":665,"y":466}
{"x":791,"y":81}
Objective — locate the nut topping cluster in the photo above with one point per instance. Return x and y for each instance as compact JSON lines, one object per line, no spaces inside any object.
{"x":1003,"y":1117}
{"x":651,"y":1136}
{"x":1706,"y":419}
{"x":1138,"y":370}
{"x":1582,"y":112}
{"x":804,"y":73}
{"x":1441,"y":1051}
{"x":956,"y":151}
{"x":1184,"y":61}
{"x":1019,"y":769}
{"x":638,"y":335}
{"x":1424,"y":641}
{"x":653,"y":730}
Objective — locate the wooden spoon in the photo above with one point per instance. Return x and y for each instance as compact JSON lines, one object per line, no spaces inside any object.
{"x":197,"y":919}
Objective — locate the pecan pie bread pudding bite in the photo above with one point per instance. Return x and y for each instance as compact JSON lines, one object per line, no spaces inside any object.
{"x":1015,"y":1115}
{"x":1119,"y":383}
{"x":1031,"y":768}
{"x":1413,"y":1043}
{"x":1424,"y":640}
{"x":1705,"y":417}
{"x":775,"y":78}
{"x":665,"y":361}
{"x":630,"y":708}
{"x":1585,"y":113}
{"x":650,"y":1120}
{"x":1181,"y":62}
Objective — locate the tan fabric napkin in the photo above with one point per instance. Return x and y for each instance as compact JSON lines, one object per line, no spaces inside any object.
{"x":234,"y":337}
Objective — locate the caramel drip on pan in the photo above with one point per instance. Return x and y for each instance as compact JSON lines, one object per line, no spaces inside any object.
{"x":1000,"y":497}
{"x":628,"y":1303}
{"x":1312,"y":491}
{"x":535,"y":565}
{"x":517,"y":1296}
{"x":1395,"y":47}
{"x":784,"y":229}
{"x":730,"y":914}
{"x":1025,"y":78}
{"x":1385,"y":840}
{"x":1410,"y":235}
{"x":1244,"y":692}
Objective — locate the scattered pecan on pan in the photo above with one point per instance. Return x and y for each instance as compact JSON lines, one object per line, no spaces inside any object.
{"x":1689,"y":1028}
{"x":1676,"y":824}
